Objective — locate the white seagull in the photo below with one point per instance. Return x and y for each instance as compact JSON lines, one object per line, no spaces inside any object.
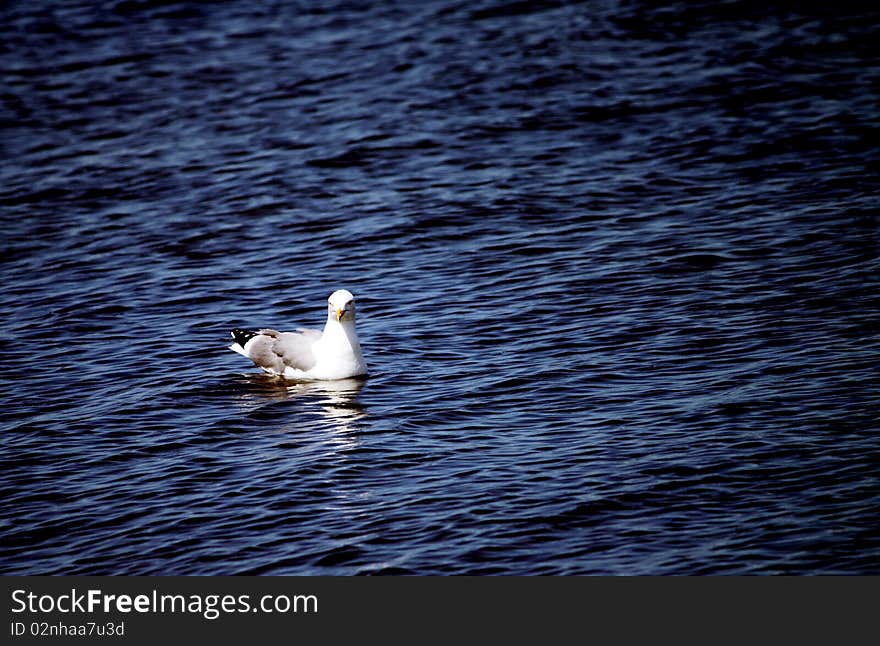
{"x":332,"y":354}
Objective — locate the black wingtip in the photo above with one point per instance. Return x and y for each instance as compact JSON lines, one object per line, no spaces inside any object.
{"x":242,"y":336}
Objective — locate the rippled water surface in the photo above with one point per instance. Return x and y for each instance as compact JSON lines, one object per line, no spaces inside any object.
{"x":616,"y":270}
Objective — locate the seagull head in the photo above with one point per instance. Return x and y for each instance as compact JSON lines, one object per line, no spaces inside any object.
{"x":340,"y":305}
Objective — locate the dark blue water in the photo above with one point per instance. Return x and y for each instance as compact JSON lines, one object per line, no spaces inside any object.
{"x":617,"y":271}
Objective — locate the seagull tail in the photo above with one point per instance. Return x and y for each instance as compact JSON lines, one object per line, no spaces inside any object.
{"x":241,"y":339}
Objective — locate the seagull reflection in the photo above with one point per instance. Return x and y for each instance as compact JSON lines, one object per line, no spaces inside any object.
{"x":336,"y":401}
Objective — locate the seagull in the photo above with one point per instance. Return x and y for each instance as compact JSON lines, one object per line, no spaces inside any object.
{"x":305,"y":354}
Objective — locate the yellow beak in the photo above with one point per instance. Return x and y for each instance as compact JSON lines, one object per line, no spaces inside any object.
{"x":339,"y":314}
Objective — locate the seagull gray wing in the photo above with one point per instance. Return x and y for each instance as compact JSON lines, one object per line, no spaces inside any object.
{"x":274,"y":351}
{"x":295,"y":348}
